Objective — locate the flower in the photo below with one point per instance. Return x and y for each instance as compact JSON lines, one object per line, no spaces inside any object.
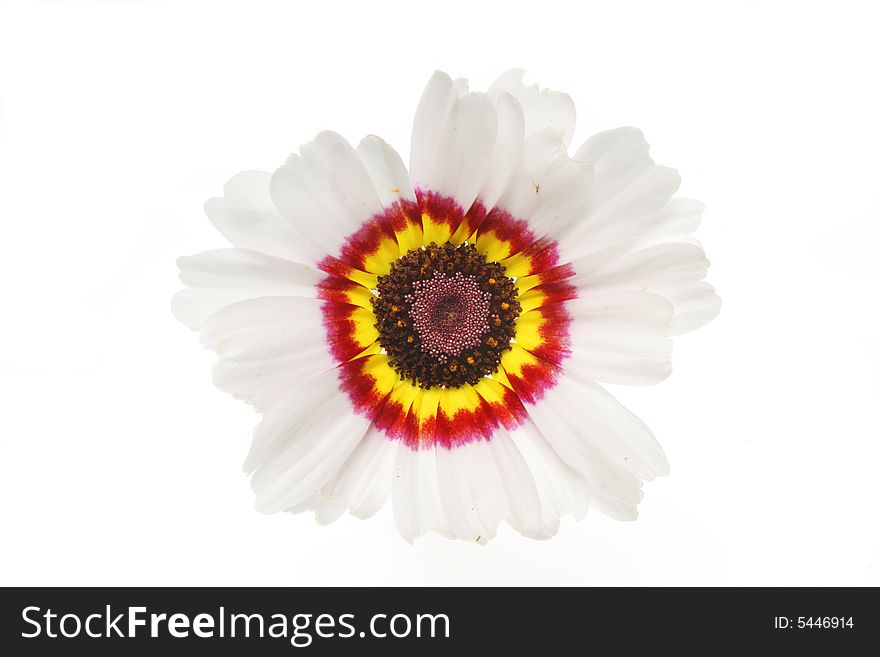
{"x":439,"y":333}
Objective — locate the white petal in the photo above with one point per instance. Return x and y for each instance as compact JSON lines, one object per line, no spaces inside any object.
{"x":224,"y":276}
{"x":465,"y":492}
{"x":192,"y":307}
{"x":303,"y":446}
{"x":628,"y":190}
{"x":518,"y":488}
{"x":325,"y":193}
{"x":364,"y":481}
{"x":620,"y":337}
{"x":550,"y":190}
{"x":620,"y":156}
{"x":542,"y":108}
{"x":386,"y":170}
{"x":326,"y":511}
{"x":618,"y":430}
{"x":602,"y":441}
{"x":681,"y":216}
{"x":695,"y":305}
{"x":265,"y":343}
{"x":461,"y":86}
{"x":283,"y":407}
{"x":452,"y":141}
{"x":561,"y":489}
{"x":508,"y":148}
{"x":667,"y":263}
{"x":674,"y":270}
{"x":248,"y":218}
{"x":415,"y":493}
{"x":249,"y":271}
{"x":471,"y":493}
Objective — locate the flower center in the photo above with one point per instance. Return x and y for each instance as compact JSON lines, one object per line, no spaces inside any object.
{"x":445,"y":315}
{"x":449,"y":313}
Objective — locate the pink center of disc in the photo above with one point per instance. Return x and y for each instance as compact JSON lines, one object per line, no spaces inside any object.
{"x":450,"y":313}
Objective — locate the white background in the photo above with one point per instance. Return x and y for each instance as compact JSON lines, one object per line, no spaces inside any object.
{"x":121,"y":463}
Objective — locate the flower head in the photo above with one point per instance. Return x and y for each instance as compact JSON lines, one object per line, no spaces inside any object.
{"x":439,"y":333}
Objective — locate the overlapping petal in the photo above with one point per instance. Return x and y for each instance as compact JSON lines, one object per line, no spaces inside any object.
{"x":542,"y":108}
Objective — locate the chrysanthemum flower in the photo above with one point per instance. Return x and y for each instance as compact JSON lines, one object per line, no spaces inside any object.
{"x":439,"y":333}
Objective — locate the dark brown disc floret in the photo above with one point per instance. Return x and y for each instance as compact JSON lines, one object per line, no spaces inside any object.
{"x":445,"y":315}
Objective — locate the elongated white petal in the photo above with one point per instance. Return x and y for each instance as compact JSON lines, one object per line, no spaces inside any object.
{"x":221,"y":277}
{"x":612,"y":488}
{"x":549,"y":189}
{"x":266,"y":343}
{"x":470,"y":491}
{"x":453,"y":139}
{"x":517,"y":487}
{"x":620,"y":156}
{"x":561,"y":489}
{"x":680,"y":216}
{"x":466,"y":491}
{"x":248,"y":218}
{"x":326,"y":511}
{"x":363,"y":483}
{"x":386,"y":169}
{"x":643,"y":269}
{"x":618,"y":430}
{"x":602,"y":441}
{"x":542,"y":108}
{"x":301,"y":447}
{"x":325,"y":194}
{"x":628,"y":190}
{"x":620,"y":337}
{"x":415,"y":493}
{"x":695,"y":305}
{"x":506,"y":155}
{"x":284,"y":409}
{"x":251,"y":272}
{"x":673,"y":270}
